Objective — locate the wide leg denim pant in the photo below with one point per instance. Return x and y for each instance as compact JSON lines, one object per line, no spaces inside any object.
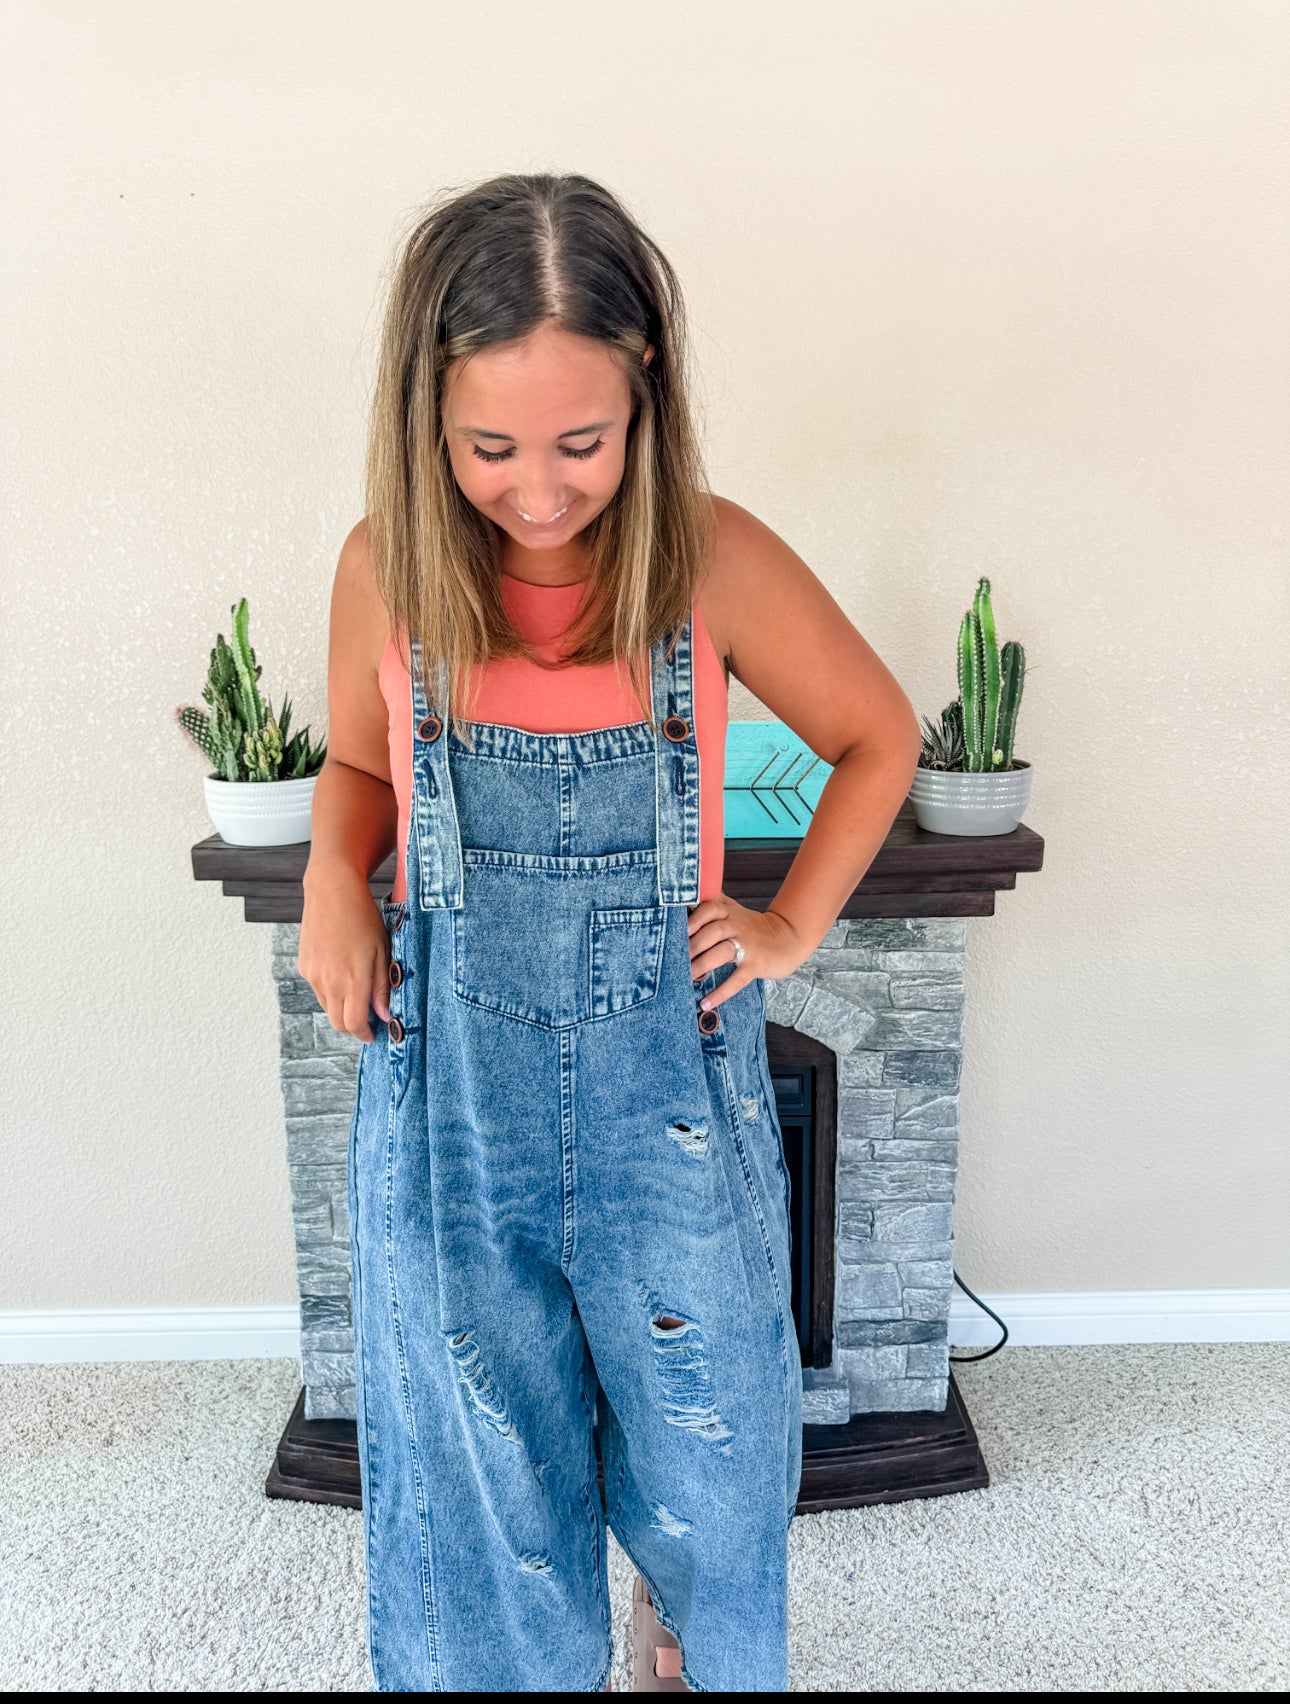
{"x":569,"y":1210}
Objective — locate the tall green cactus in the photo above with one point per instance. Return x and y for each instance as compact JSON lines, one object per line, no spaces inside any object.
{"x":240,"y":736}
{"x":990,"y":688}
{"x":1014,"y":678}
{"x":983,"y":610}
{"x":970,"y":688}
{"x":250,"y":706}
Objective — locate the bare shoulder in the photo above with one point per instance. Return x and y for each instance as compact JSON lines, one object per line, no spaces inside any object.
{"x":750,"y":563}
{"x":360,"y":625}
{"x":782,"y":634}
{"x":358,"y":723}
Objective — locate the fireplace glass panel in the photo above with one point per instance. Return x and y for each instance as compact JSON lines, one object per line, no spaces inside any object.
{"x":795,"y":1102}
{"x":804,"y":1079}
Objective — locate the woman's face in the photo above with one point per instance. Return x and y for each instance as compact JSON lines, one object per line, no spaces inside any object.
{"x":537,"y":433}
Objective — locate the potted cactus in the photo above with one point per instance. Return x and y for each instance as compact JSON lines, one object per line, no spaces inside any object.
{"x":967,"y":780}
{"x":262,"y":788}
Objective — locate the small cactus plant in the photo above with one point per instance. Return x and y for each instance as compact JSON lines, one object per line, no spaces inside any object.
{"x":978,"y":728}
{"x":240,"y":735}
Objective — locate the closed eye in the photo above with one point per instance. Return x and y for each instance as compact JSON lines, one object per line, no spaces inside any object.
{"x":505,"y":455}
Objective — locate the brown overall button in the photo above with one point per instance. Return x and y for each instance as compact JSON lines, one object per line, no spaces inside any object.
{"x":709,"y":1022}
{"x":429,"y":729}
{"x":676,"y":729}
{"x":397,"y":1032}
{"x":396,"y":974}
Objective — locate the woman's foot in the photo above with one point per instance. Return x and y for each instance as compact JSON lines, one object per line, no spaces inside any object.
{"x":656,"y":1656}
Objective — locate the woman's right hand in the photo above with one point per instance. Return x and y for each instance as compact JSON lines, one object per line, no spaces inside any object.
{"x":345,"y":952}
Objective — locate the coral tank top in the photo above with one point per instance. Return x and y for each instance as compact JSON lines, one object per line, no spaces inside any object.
{"x":521,"y":694}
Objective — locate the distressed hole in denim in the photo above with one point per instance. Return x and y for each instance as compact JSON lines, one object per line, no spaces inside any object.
{"x":683,"y":1372}
{"x":751,"y":1106}
{"x":484,"y":1397}
{"x":669,"y":1523}
{"x":690,"y":1138}
{"x":536,"y":1564}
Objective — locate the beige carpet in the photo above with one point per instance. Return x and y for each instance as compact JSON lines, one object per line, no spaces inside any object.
{"x":1134,"y":1538}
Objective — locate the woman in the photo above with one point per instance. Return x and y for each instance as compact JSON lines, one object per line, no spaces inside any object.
{"x":567,"y":1193}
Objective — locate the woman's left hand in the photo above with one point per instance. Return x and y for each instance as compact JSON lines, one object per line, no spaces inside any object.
{"x":770,"y":947}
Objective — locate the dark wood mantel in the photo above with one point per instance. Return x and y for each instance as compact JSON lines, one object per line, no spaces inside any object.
{"x":915,"y":873}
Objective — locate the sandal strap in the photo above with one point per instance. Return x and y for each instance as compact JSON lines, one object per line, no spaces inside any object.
{"x":656,"y":1655}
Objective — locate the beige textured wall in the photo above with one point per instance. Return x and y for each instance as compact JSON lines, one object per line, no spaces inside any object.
{"x":995,"y":287}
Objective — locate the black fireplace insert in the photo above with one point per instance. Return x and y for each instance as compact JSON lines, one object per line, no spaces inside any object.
{"x":805,"y":1081}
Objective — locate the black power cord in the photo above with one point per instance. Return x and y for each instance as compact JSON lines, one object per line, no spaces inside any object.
{"x":985,"y":1354}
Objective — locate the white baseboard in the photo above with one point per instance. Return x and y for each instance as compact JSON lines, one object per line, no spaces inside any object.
{"x":1126,"y":1316}
{"x":149,"y":1334}
{"x":1064,"y":1317}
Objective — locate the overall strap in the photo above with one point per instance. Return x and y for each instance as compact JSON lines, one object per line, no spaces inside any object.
{"x":434,"y":809}
{"x":676,"y":768}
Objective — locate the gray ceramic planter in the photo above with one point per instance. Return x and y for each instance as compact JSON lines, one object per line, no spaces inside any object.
{"x":991,"y":802}
{"x":260,"y":813}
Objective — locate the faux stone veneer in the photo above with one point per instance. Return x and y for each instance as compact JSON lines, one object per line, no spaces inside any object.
{"x":886,"y":995}
{"x":319,"y":1074}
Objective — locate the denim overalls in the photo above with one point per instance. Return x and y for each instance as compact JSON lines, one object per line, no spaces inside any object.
{"x":569,"y":1208}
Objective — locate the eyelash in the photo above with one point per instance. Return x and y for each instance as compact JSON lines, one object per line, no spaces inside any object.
{"x":505,"y":455}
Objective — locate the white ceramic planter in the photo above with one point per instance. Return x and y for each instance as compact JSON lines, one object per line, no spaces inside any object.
{"x":260,"y":813}
{"x":991,"y":802}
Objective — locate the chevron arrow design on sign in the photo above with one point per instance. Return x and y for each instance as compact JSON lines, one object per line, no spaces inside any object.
{"x":773,"y":781}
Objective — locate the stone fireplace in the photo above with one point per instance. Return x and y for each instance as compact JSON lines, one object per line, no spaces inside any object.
{"x":864,"y":1044}
{"x":883,"y":1000}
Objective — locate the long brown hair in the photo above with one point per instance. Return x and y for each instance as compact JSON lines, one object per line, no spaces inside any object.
{"x":485,"y":266}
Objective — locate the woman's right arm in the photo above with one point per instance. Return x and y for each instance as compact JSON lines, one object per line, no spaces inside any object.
{"x":344,"y":948}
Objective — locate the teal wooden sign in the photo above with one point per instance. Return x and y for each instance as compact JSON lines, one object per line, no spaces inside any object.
{"x":773,"y":782}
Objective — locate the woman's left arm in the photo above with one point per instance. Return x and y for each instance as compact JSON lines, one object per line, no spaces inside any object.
{"x":791,"y":645}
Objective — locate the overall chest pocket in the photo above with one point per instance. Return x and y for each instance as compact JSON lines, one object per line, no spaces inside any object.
{"x":557,"y":941}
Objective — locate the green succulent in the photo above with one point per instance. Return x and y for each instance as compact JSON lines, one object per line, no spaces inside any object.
{"x":943,"y":746}
{"x":239,"y":735}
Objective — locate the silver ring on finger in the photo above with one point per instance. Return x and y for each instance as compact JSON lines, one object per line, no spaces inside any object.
{"x":739,"y":950}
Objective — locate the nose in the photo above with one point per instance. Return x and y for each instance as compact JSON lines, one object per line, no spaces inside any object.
{"x":538,"y":489}
{"x":540,"y":505}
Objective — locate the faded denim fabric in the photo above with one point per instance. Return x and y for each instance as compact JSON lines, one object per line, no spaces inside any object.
{"x":568,"y":1208}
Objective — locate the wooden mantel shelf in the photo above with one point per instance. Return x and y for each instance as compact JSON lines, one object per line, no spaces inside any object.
{"x":915,"y":873}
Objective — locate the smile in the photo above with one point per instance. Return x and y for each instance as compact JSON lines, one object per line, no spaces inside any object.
{"x":534,"y":522}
